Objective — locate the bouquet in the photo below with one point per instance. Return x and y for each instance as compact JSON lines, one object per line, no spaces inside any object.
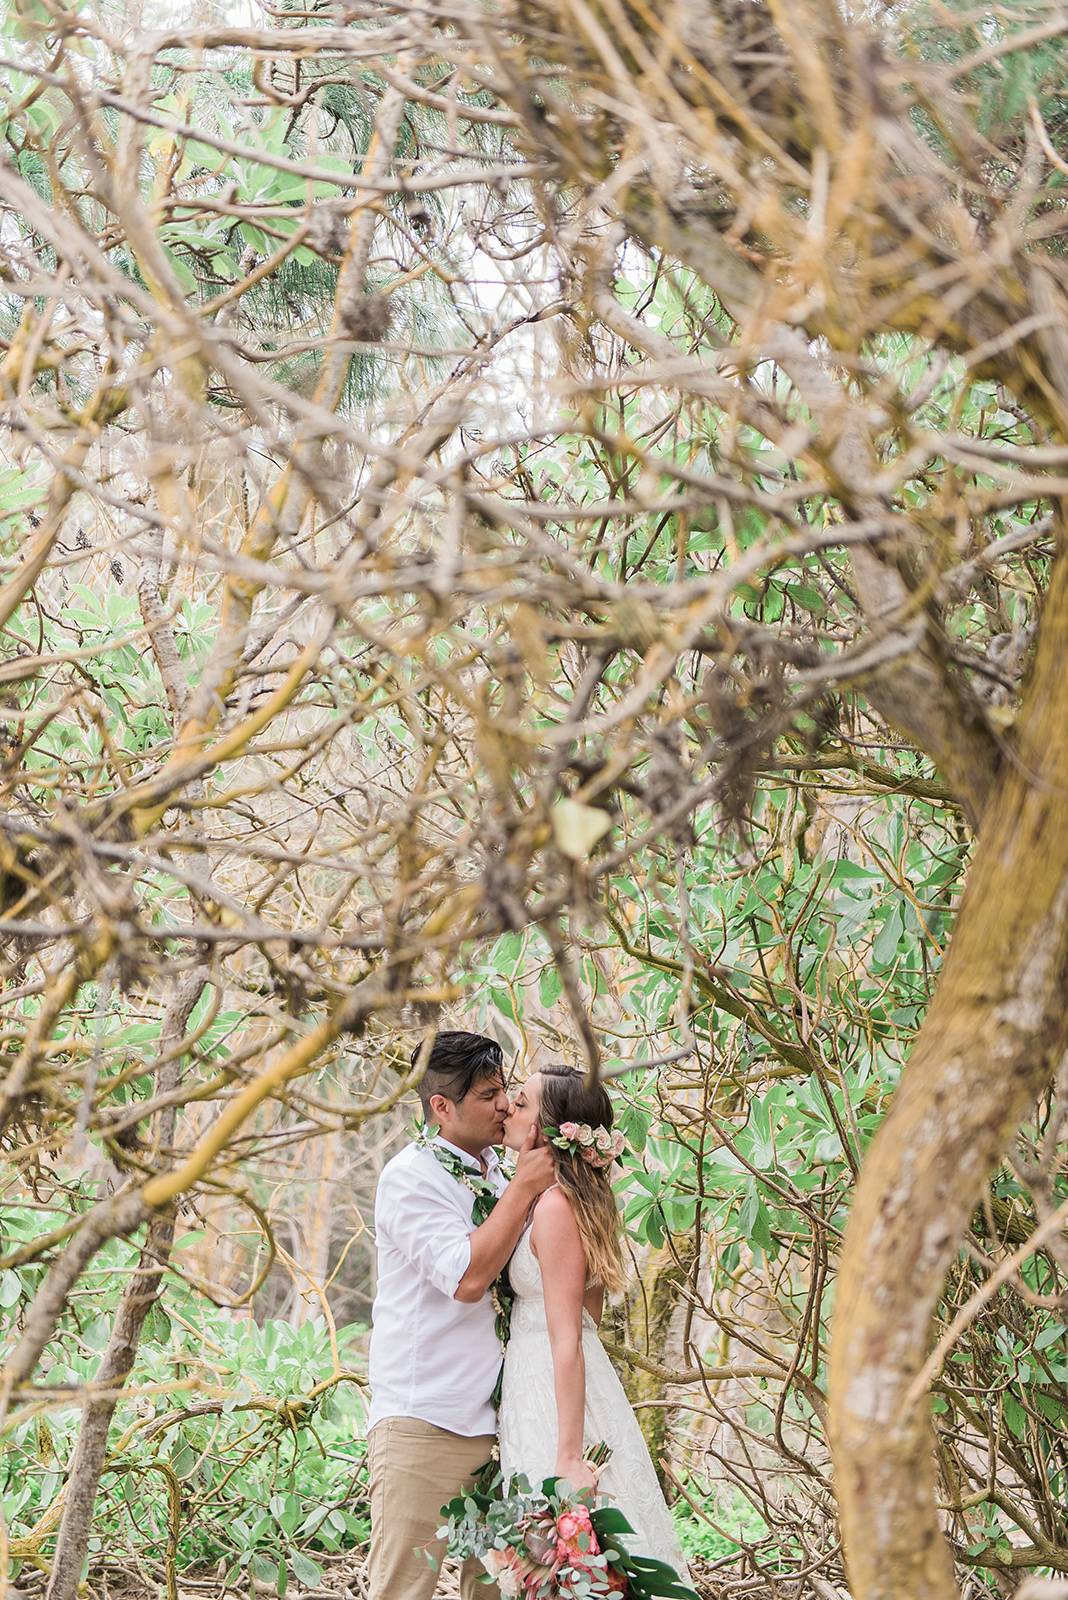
{"x":553,"y":1544}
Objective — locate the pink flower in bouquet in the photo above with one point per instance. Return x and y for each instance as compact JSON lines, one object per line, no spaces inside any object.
{"x":506,"y":1569}
{"x":570,"y":1526}
{"x":571,"y":1523}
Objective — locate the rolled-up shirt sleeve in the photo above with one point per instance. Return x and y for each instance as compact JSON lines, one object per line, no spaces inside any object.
{"x":427,"y":1226}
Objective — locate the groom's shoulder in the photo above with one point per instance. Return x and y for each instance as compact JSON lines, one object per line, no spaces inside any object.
{"x":407,"y":1158}
{"x":414,"y":1165}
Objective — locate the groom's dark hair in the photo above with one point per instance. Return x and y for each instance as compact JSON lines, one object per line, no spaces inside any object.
{"x":455,"y":1064}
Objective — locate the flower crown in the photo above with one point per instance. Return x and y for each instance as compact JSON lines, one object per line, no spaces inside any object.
{"x":598,"y":1146}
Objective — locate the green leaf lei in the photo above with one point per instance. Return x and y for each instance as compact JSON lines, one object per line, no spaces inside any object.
{"x":485,"y":1198}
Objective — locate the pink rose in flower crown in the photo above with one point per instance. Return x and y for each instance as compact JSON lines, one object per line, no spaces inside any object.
{"x":584,"y":1135}
{"x":603,"y":1140}
{"x":569,"y":1130}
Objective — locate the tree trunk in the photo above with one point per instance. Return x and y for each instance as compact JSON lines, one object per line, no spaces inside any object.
{"x":318,"y":1227}
{"x":138,"y":1297}
{"x":651,"y":1306}
{"x":994,"y":1033}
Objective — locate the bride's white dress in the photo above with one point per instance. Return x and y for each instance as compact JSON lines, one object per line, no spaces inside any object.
{"x":528,"y":1423}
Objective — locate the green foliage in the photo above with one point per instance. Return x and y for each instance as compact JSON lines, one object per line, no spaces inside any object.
{"x":717,"y":1527}
{"x":266,"y":1452}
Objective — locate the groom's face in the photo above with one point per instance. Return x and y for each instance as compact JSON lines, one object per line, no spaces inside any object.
{"x":478,"y":1119}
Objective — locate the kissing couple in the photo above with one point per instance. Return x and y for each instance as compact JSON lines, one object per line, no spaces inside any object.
{"x":447,"y":1224}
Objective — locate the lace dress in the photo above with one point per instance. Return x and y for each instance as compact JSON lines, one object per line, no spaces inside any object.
{"x":528,"y":1425}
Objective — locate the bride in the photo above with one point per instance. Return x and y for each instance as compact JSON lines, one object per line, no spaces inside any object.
{"x":560,"y":1394}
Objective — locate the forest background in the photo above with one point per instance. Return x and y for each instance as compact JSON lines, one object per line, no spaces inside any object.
{"x":547,"y":518}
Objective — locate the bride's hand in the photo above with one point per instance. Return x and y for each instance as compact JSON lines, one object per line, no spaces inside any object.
{"x":579,"y":1474}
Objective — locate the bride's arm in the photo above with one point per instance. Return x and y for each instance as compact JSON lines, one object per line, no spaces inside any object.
{"x":557,"y":1245}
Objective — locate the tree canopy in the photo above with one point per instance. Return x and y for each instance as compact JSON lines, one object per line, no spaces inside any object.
{"x":550,"y":516}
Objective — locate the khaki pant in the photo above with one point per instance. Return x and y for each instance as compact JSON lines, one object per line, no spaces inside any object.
{"x":413,"y":1468}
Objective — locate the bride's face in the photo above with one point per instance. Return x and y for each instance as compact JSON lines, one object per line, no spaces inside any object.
{"x":525,"y":1110}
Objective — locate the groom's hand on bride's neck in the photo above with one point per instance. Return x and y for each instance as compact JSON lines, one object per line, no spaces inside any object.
{"x":534,"y":1168}
{"x":494,"y":1241}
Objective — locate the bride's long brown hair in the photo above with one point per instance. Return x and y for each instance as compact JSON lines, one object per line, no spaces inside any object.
{"x":565,"y":1098}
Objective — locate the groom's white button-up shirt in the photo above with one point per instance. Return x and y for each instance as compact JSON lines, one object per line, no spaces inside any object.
{"x":431,"y":1357}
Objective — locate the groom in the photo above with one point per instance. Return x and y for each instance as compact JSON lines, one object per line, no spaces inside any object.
{"x":435,"y":1354}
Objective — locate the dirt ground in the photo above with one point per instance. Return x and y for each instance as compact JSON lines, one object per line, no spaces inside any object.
{"x":344,"y":1579}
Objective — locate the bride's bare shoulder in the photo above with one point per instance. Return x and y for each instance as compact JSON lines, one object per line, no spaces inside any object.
{"x":553,"y":1216}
